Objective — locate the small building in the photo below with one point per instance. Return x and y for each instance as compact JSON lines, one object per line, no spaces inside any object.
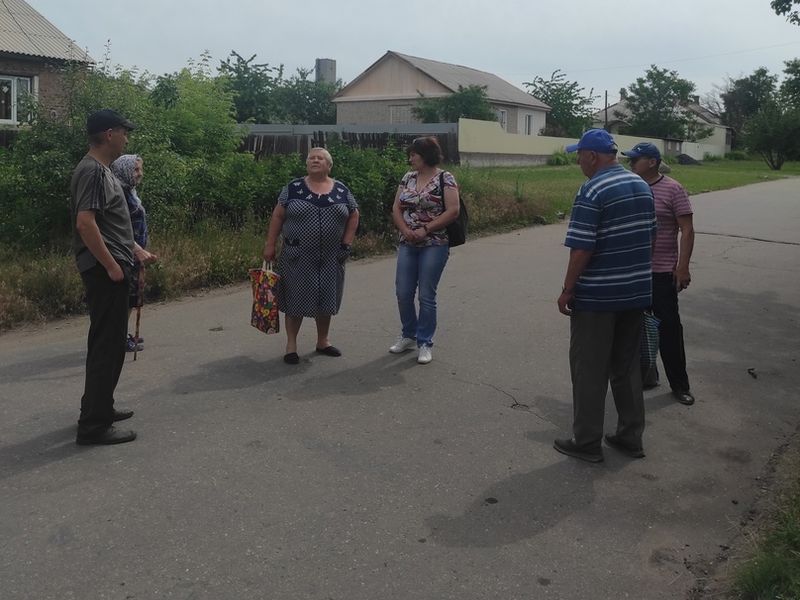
{"x":388,"y":89}
{"x":33,"y":55}
{"x":616,"y":117}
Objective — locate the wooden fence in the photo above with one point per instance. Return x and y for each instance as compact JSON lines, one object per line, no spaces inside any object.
{"x":263,"y":142}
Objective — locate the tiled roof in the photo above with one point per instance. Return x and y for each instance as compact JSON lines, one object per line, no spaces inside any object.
{"x":24,"y":31}
{"x":451,"y":76}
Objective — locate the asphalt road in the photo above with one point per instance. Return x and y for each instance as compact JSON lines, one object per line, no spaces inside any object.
{"x":369,"y":476}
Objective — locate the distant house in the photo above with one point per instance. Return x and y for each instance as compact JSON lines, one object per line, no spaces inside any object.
{"x":33,"y":54}
{"x":388,"y":90}
{"x":618,"y":116}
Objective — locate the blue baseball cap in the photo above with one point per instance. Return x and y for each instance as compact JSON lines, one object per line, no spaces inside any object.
{"x":645,"y":149}
{"x":596,"y":140}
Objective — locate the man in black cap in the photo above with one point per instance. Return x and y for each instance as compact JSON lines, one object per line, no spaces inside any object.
{"x":103,"y":247}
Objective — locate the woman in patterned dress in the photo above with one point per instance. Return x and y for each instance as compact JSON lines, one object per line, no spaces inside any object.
{"x":425,"y":203}
{"x":317,"y":217}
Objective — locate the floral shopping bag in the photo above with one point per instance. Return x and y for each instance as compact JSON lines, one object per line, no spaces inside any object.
{"x":265,"y":302}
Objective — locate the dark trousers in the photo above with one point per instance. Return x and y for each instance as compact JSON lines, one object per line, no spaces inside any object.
{"x":604,"y":347}
{"x":108,"y":316}
{"x":670,"y":332}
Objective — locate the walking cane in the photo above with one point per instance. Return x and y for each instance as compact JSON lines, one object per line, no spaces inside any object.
{"x":139,"y":302}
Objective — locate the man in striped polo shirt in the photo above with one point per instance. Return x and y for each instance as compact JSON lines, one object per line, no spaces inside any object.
{"x":606,"y":288}
{"x":670,"y":265}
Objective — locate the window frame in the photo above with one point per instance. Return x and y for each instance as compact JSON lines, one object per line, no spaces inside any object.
{"x":15,"y":93}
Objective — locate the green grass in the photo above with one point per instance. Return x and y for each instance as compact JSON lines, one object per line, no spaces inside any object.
{"x":773,"y":572}
{"x":44,"y":285}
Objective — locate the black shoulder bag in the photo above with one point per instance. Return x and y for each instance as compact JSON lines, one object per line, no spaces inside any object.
{"x":457,"y":230}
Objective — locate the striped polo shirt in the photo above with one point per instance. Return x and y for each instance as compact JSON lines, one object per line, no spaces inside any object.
{"x":672,"y":202}
{"x":613,"y":215}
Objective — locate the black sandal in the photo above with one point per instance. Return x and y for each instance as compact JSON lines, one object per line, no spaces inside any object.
{"x":291,"y":358}
{"x":329,"y":351}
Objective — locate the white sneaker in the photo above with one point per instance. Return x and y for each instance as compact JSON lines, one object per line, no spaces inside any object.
{"x":401,"y":344}
{"x":425,"y":355}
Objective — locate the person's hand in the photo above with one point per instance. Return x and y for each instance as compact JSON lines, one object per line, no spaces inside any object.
{"x":415,"y":235}
{"x":269,"y":252}
{"x":145,"y":257}
{"x":565,"y":302}
{"x":681,"y":278}
{"x":115,"y":273}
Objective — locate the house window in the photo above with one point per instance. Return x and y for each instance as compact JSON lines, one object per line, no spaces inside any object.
{"x":12,"y":91}
{"x":528,"y":125}
{"x":502,"y":117}
{"x":400,"y":113}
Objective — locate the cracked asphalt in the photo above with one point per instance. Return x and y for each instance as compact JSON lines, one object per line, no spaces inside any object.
{"x":369,"y":476}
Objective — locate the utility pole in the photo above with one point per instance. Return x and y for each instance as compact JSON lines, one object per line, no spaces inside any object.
{"x":606,"y":109}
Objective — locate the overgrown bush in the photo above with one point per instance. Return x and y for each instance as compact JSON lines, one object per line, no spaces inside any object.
{"x":561,"y":158}
{"x":708,"y":157}
{"x":737,"y":155}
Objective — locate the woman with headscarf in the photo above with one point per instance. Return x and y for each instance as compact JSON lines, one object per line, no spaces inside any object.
{"x":129,"y":169}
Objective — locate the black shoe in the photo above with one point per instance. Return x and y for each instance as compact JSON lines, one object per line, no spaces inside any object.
{"x":121,"y":415}
{"x":649,"y":385}
{"x":570,"y":448}
{"x":291,"y":358}
{"x":329,"y":351}
{"x":112,"y":435}
{"x":684,"y":397}
{"x":627,"y":449}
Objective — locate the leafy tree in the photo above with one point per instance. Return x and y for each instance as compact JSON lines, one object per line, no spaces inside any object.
{"x":787,"y":7}
{"x":774,"y":133}
{"x":744,"y":97}
{"x":303,"y":101}
{"x":790,"y":88}
{"x":253,"y":85}
{"x":571,"y":107}
{"x":469,"y":102}
{"x":655,"y":103}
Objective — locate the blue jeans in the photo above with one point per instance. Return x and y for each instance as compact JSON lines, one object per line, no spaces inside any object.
{"x":419,"y":267}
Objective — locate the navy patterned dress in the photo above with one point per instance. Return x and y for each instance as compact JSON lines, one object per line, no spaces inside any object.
{"x":311,"y":263}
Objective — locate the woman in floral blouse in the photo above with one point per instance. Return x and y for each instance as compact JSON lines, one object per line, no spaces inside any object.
{"x":425,"y":203}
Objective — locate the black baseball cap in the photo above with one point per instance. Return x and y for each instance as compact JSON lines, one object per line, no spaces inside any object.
{"x":105,"y":119}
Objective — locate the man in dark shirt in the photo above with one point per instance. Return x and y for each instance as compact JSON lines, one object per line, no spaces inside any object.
{"x":103,"y":247}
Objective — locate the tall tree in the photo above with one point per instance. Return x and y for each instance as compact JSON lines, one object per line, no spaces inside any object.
{"x":253,"y":85}
{"x":788,"y":8}
{"x":570,"y":105}
{"x":469,"y":102}
{"x":774,"y":133}
{"x":300,"y":100}
{"x":744,"y":97}
{"x":656,"y":103}
{"x":790,"y":88}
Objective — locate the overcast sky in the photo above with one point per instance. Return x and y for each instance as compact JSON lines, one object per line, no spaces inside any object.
{"x":602,"y":45}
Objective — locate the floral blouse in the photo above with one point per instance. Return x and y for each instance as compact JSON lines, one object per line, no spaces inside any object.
{"x":421,"y":206}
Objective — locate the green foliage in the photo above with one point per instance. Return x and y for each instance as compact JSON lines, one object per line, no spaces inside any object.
{"x":790,"y":88}
{"x":469,"y":102}
{"x":773,"y":573}
{"x":743,"y":97}
{"x":571,"y":107}
{"x":262,"y":94}
{"x":252,"y":85}
{"x":788,"y":8}
{"x":774,"y":133}
{"x":562,"y":157}
{"x":655,"y":103}
{"x":737,"y":155}
{"x":372,"y":176}
{"x":302,"y":101}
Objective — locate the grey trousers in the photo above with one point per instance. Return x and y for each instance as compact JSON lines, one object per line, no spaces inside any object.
{"x":604,"y":346}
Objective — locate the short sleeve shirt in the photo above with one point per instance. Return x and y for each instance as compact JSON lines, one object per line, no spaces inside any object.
{"x":94,"y":187}
{"x":613,"y":216}
{"x":672,"y":202}
{"x":422,"y":205}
